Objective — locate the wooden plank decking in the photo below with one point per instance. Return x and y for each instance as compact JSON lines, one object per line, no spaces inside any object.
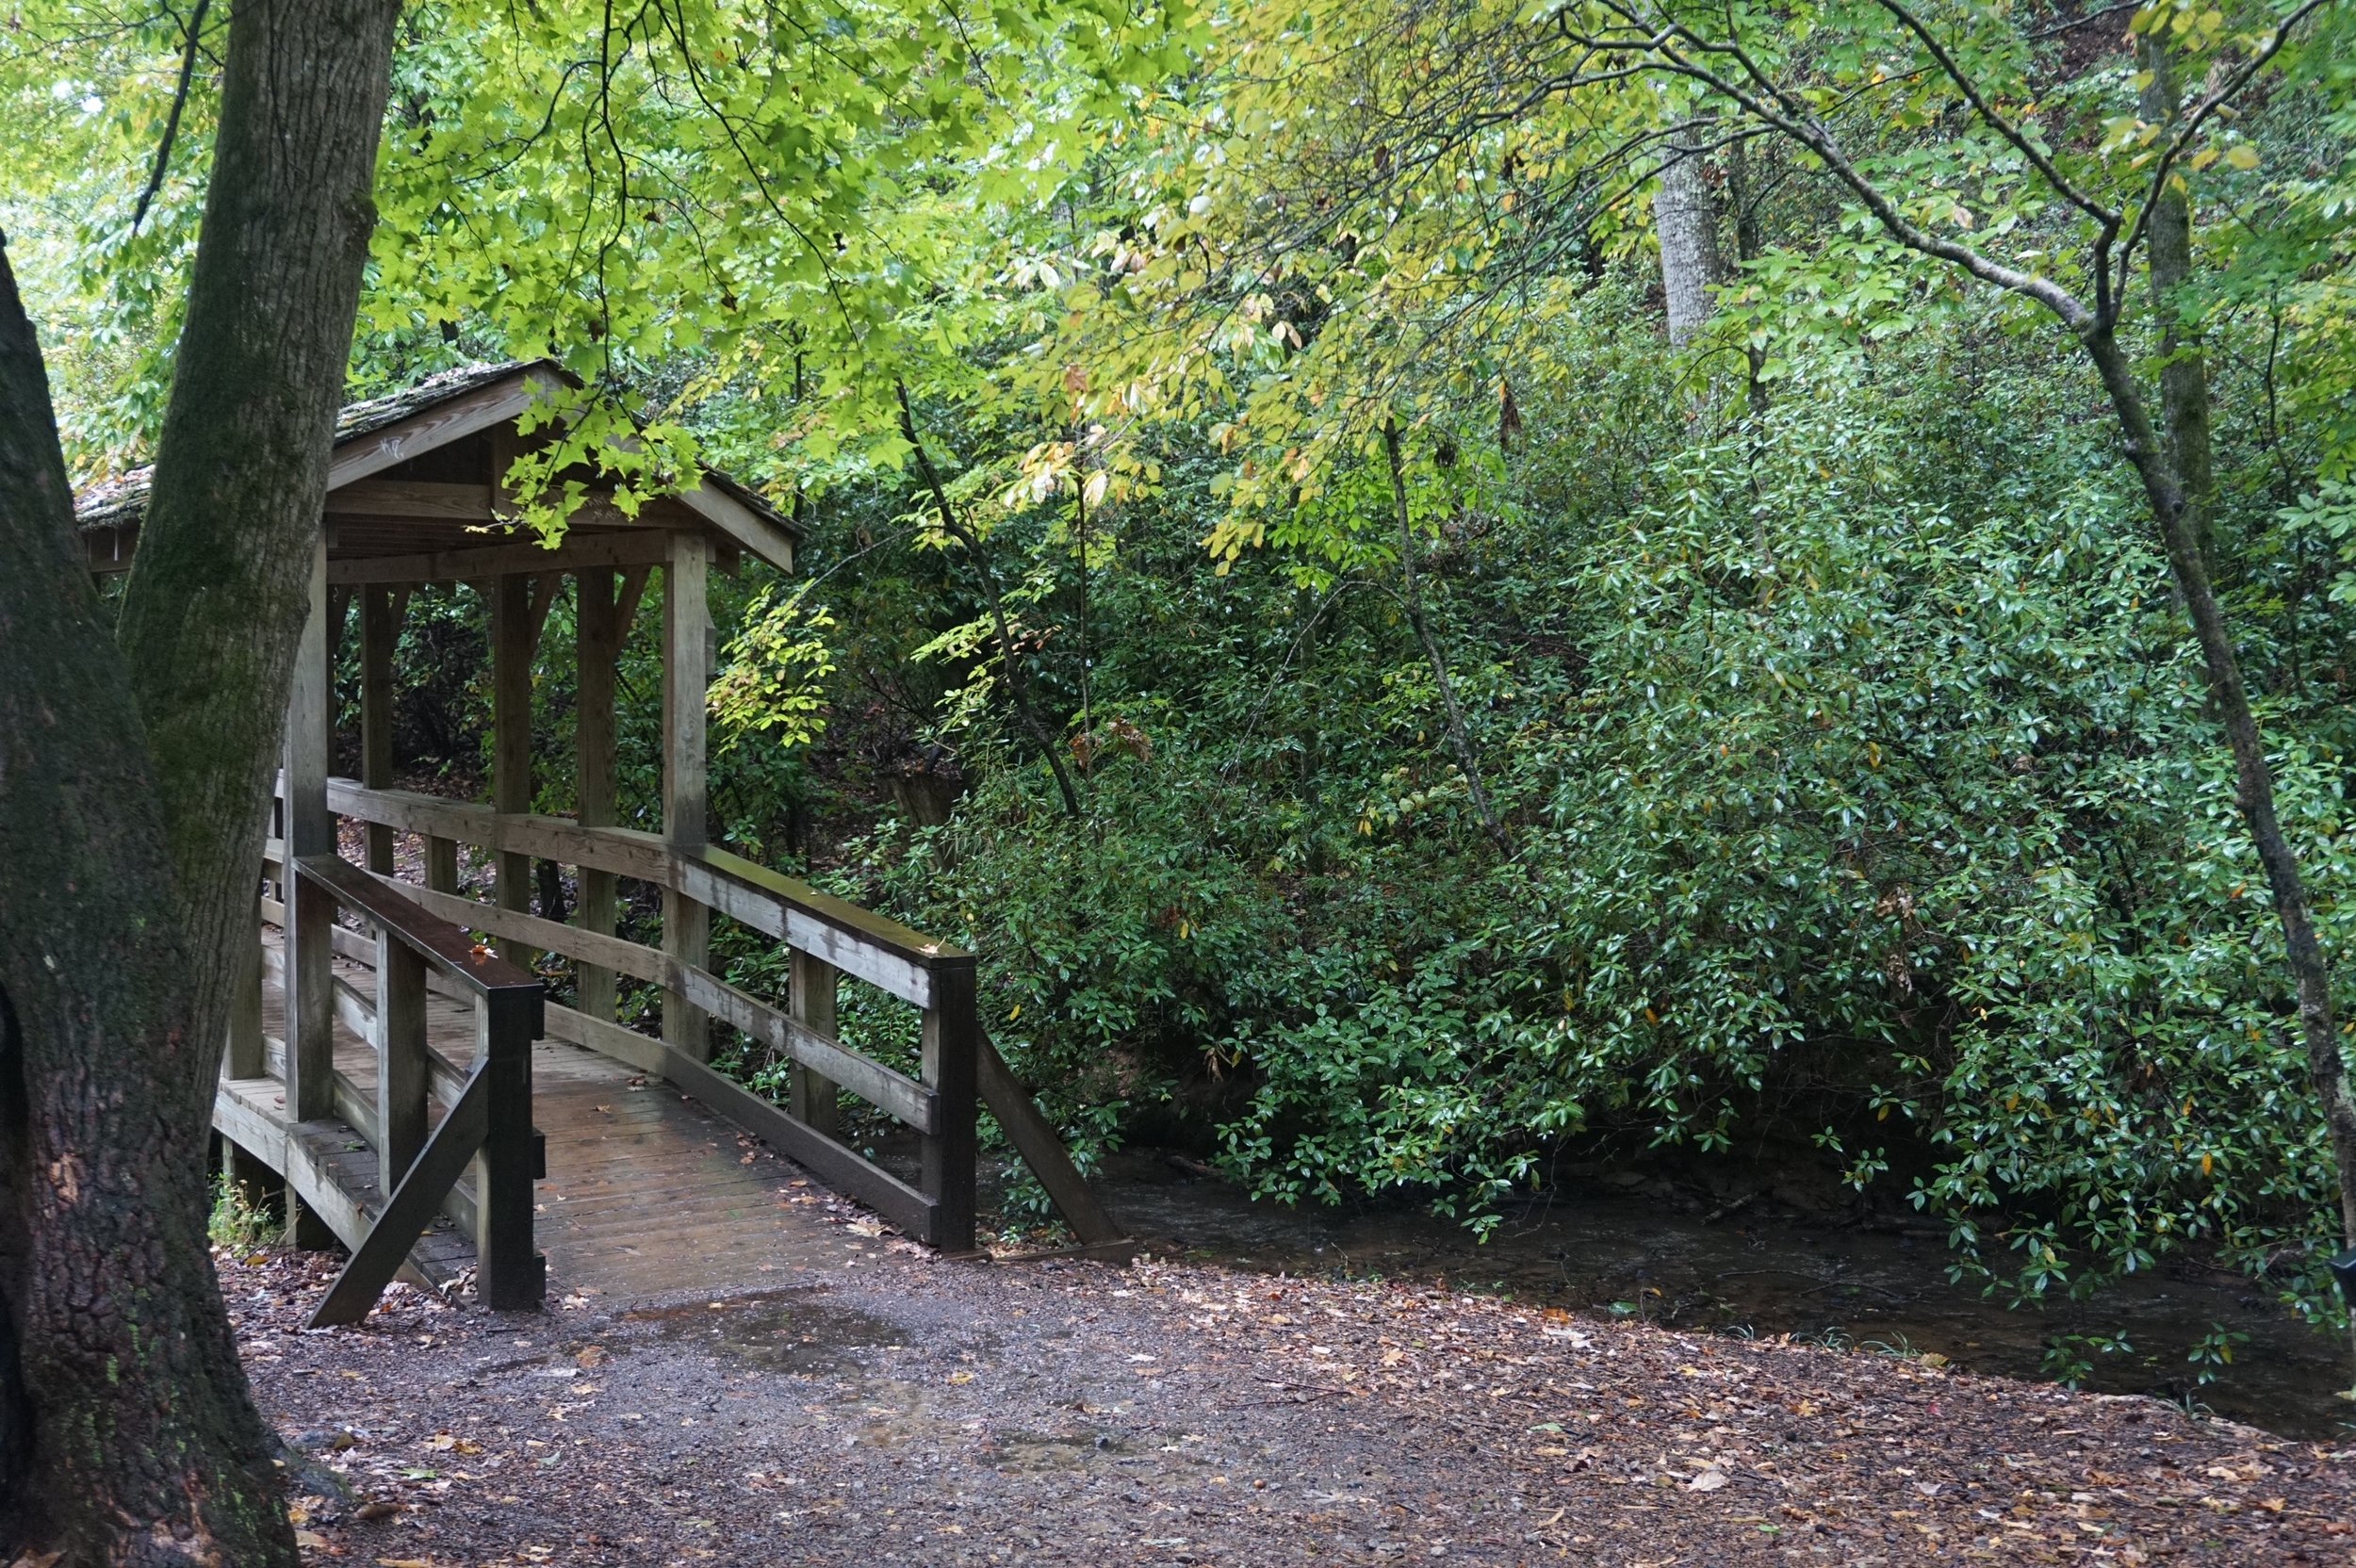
{"x":647,"y":1192}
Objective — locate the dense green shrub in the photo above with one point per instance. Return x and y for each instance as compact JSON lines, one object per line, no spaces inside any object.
{"x":1860,"y":790}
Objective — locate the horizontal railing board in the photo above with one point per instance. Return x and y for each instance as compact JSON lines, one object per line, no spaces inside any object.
{"x":443,"y":1079}
{"x":880,"y":1085}
{"x":840,"y":1168}
{"x":619,"y":850}
{"x":858,"y":941}
{"x":606,"y":1039}
{"x":551,"y":936}
{"x":890,"y":1091}
{"x":355,"y":1012}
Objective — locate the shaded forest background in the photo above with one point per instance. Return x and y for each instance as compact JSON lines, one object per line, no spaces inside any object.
{"x":1390,"y":720}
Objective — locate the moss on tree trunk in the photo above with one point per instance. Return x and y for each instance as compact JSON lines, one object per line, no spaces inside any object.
{"x":133,"y":772}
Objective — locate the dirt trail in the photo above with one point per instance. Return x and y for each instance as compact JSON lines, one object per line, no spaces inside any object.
{"x":909,"y":1410}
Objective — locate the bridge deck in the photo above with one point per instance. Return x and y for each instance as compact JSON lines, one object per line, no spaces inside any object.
{"x":647,"y":1192}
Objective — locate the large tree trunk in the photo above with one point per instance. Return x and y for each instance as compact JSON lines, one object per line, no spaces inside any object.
{"x":1685,"y":221}
{"x":144,"y":1445}
{"x":131,"y":791}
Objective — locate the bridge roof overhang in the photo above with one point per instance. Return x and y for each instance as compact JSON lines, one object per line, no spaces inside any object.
{"x":414,"y":493}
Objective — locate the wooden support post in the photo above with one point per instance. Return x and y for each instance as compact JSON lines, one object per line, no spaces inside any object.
{"x":510,"y":1275}
{"x":262,"y":1191}
{"x":306,"y":1231}
{"x":814,"y":1098}
{"x":401,"y":1061}
{"x":441,"y":864}
{"x":338,"y":617}
{"x":512,"y":639}
{"x":598,"y":647}
{"x":379,"y":629}
{"x":686,"y":685}
{"x":309,"y":830}
{"x":952,"y":1051}
{"x":246,"y":1056}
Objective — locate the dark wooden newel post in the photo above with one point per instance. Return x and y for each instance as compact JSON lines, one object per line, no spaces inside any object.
{"x":953,"y":1037}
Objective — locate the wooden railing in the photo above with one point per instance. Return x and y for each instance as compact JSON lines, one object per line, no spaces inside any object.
{"x":827,"y":937}
{"x":486,"y":1120}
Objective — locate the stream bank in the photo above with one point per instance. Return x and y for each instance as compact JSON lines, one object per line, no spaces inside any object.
{"x":1785,"y":1261}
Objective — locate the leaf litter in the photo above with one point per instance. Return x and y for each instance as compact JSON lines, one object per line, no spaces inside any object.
{"x":972,"y":1414}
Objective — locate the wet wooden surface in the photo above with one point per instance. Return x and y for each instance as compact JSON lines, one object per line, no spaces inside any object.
{"x":647,"y":1193}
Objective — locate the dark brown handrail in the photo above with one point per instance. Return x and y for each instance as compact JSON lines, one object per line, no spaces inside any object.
{"x":490,"y":1121}
{"x":444,"y":946}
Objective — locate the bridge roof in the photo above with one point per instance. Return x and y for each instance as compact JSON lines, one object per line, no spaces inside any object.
{"x":400,"y":430}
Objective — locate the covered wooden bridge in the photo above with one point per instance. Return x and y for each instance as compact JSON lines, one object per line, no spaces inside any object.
{"x":395,"y":1059}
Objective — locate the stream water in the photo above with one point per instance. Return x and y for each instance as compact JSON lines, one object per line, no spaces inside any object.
{"x":1630,"y":1244}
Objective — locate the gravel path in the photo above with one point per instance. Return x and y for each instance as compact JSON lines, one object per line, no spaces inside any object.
{"x":911,"y":1411}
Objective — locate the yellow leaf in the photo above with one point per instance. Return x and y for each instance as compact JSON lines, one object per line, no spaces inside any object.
{"x":2242,"y":156}
{"x":2208,"y":1164}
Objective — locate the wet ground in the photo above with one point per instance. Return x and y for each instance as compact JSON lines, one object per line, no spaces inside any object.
{"x":947,"y":1414}
{"x":1636,"y":1245}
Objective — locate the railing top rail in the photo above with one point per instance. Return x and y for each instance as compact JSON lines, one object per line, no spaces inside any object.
{"x":647,"y":858}
{"x":442,"y":946}
{"x":841,"y":913}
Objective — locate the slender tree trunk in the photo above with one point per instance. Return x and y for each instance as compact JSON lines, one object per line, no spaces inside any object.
{"x":1458,"y":736}
{"x":131,"y":793}
{"x":2311,"y":971}
{"x":1685,"y":223}
{"x":2184,"y":377}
